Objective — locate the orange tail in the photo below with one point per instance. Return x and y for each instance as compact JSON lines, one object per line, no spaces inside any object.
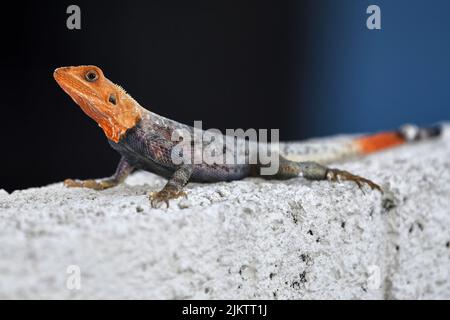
{"x":384,"y":140}
{"x":379,"y":141}
{"x":348,"y":149}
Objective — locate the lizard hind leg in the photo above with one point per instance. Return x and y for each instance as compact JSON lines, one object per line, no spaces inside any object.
{"x":315,"y":171}
{"x":287,"y":169}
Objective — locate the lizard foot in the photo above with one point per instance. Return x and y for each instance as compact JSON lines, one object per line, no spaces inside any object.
{"x":90,"y":184}
{"x":338,"y":175}
{"x":163,"y":196}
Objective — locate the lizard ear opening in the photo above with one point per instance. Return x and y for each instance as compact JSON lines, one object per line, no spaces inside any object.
{"x":112,"y":99}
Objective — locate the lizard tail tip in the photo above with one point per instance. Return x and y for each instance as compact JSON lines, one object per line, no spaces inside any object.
{"x":413,"y":133}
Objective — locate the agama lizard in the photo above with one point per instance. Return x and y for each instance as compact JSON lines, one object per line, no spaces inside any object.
{"x":144,"y":141}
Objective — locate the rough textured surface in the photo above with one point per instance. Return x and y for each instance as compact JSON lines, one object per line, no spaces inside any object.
{"x":246,"y":239}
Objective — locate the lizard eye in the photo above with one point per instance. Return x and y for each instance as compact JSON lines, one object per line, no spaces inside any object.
{"x":112,"y":98}
{"x":91,"y":75}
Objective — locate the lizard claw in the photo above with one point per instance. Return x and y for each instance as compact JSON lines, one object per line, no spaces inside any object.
{"x":163,"y":196}
{"x":338,"y":175}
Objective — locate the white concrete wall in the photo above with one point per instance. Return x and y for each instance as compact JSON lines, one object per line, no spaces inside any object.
{"x":247,"y":239}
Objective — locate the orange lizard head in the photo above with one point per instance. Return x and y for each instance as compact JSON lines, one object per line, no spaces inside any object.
{"x":105,"y":102}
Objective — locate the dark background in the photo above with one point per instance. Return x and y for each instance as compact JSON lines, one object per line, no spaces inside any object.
{"x":309,"y":68}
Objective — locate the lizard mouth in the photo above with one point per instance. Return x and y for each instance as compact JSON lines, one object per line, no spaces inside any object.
{"x":73,"y":86}
{"x":84,"y":96}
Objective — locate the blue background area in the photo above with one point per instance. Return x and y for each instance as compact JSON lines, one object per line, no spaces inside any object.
{"x":307,"y":67}
{"x":361,"y":80}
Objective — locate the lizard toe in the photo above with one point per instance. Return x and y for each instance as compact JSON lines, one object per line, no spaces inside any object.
{"x":341,"y":175}
{"x":163,"y":196}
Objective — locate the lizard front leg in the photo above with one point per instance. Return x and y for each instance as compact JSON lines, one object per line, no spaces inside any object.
{"x":174,"y":187}
{"x":122,"y":171}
